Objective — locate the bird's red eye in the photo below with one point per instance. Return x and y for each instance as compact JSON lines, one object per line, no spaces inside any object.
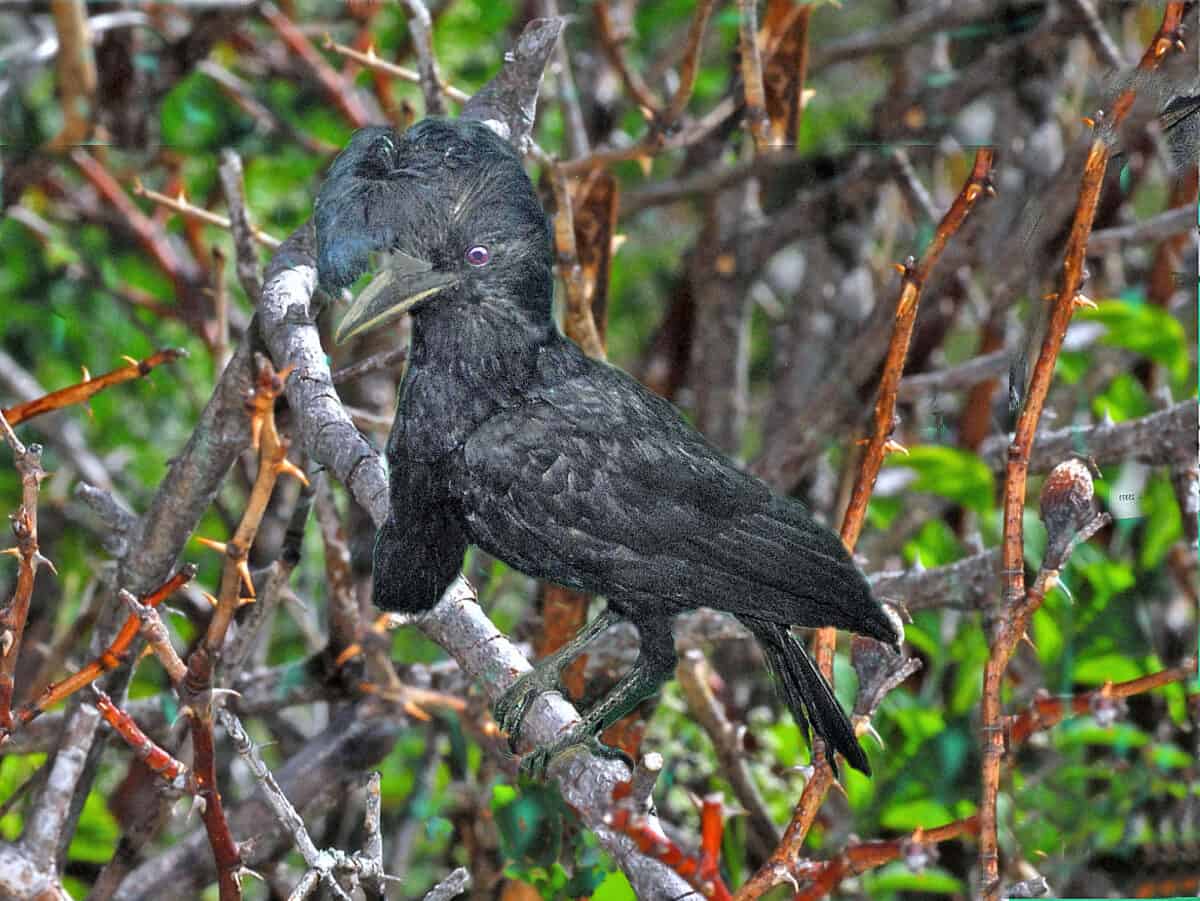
{"x":478,"y":255}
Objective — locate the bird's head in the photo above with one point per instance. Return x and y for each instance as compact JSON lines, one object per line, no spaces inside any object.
{"x":454,"y":218}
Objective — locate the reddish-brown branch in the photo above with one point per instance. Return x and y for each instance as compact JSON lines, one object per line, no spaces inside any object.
{"x":76,"y":394}
{"x":752,"y":77}
{"x":1018,"y":604}
{"x":117,"y":653}
{"x":235,"y":576}
{"x":369,"y":60}
{"x":1043,"y":713}
{"x":702,"y":871}
{"x":1046,"y":712}
{"x":879,"y":444}
{"x":661,"y":133}
{"x":152,"y":238}
{"x":341,"y":93}
{"x":610,"y":43}
{"x":196,"y":692}
{"x":690,"y":65}
{"x":157,"y":760}
{"x":28,"y":461}
{"x":180,"y":204}
{"x":785,"y":67}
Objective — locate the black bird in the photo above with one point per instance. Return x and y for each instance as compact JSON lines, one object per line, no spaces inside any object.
{"x":508,"y":437}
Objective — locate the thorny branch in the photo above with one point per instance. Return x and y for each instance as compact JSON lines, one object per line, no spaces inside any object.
{"x":1018,"y":605}
{"x":787,"y":854}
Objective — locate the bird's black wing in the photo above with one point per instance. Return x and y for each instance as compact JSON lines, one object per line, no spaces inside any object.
{"x":598,"y":484}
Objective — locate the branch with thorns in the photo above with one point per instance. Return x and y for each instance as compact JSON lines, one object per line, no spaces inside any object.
{"x":1019,"y":604}
{"x":787,"y":854}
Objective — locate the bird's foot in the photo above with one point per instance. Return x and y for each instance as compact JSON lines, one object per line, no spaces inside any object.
{"x":510,"y":708}
{"x":536,"y":762}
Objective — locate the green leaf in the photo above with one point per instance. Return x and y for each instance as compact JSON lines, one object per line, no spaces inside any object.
{"x":1088,"y":732}
{"x":1163,"y":522}
{"x":1107,"y":668}
{"x":951,"y":473}
{"x":615,"y":887}
{"x":923,"y":812}
{"x":896,"y":877}
{"x":1144,"y":329}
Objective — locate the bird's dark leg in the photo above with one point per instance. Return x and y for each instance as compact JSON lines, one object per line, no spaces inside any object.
{"x":654,"y":665}
{"x":510,"y":708}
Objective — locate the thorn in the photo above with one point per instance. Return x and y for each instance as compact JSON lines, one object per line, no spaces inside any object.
{"x":370,"y":54}
{"x":215,"y":692}
{"x":219,"y":546}
{"x":39,"y":560}
{"x":618,"y":241}
{"x":87,"y":376}
{"x":785,"y":875}
{"x":351,"y":651}
{"x":181,"y":196}
{"x":865,"y":727}
{"x":1180,"y":45}
{"x":185,"y":711}
{"x":287,"y":467}
{"x":416,"y":712}
{"x":1089,"y":121}
{"x":491,"y":730}
{"x":246,"y":602}
{"x":837,"y":783}
{"x":11,"y":552}
{"x":901,"y":268}
{"x":130,"y":360}
{"x":892,"y":446}
{"x":1082,"y":300}
{"x":208,"y":597}
{"x":646,"y":162}
{"x":243,"y":569}
{"x":1029,"y":641}
{"x":244,"y":870}
{"x":7,"y":639}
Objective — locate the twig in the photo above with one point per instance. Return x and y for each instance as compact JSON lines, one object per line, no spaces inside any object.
{"x":78,"y":393}
{"x":662,"y":132}
{"x":369,"y":60}
{"x":695,"y":677}
{"x":1017,"y":605}
{"x":647,"y":103}
{"x":181,"y":205}
{"x":690,"y":65}
{"x":28,"y":462}
{"x":273,"y":462}
{"x":324,"y":862}
{"x":76,"y":70}
{"x":457,"y":883}
{"x":1156,"y":439}
{"x":579,"y":323}
{"x":879,"y":444}
{"x":176,"y":774}
{"x":702,"y":870}
{"x":421,"y":25}
{"x":118,"y":652}
{"x":752,"y":79}
{"x":342,"y":94}
{"x":249,"y":271}
{"x":385,"y":359}
{"x":196,"y":693}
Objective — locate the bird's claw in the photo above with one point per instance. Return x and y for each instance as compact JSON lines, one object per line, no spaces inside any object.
{"x":511,"y":707}
{"x":537,"y":762}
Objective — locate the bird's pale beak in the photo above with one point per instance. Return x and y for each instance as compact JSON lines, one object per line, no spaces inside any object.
{"x":401,"y":284}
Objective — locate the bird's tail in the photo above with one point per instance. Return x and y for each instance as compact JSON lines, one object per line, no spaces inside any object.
{"x":806,"y":692}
